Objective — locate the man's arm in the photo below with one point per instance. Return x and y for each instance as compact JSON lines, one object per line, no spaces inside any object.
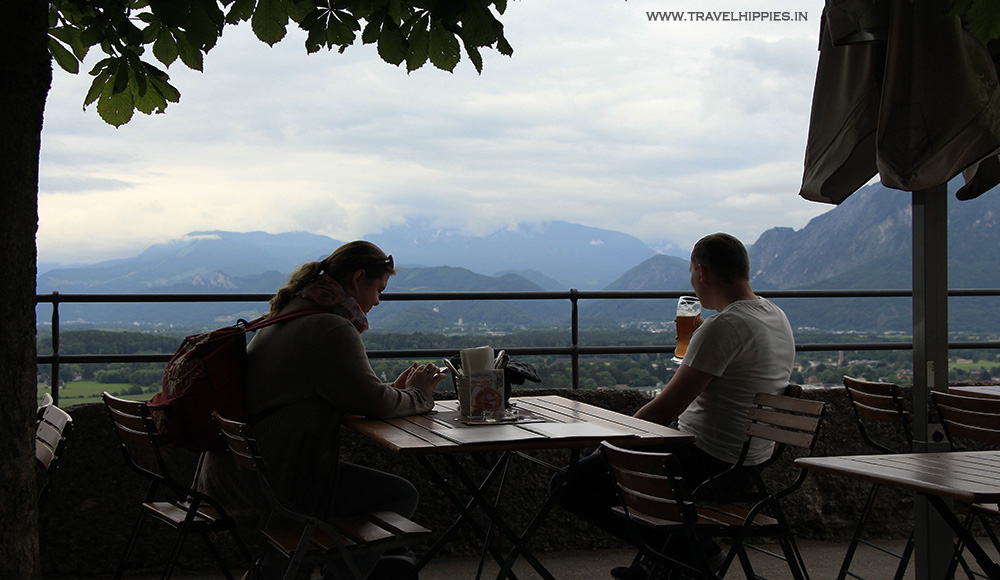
{"x":686,"y":384}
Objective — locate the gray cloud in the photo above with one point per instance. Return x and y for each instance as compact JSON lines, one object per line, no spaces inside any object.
{"x":49,"y":184}
{"x":601,"y":117}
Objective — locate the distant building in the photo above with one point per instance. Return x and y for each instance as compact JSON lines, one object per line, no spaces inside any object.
{"x":650,"y":391}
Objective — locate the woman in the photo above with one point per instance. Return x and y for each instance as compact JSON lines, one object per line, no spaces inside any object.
{"x":305,"y":374}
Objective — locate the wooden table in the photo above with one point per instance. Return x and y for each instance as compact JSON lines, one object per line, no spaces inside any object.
{"x":992,"y":391}
{"x":966,"y":476}
{"x":547,"y":422}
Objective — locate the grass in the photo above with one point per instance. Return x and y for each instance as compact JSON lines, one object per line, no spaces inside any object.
{"x":80,"y":392}
{"x":975,"y":366}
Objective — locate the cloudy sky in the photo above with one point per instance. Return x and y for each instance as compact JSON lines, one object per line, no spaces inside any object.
{"x":663,"y":130}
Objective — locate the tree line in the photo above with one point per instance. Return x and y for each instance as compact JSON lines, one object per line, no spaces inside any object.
{"x":605,"y":371}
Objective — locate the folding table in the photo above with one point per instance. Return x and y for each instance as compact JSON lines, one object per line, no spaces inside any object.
{"x":966,"y":476}
{"x":546,"y":422}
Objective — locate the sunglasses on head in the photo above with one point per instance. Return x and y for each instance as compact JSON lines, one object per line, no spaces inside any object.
{"x":386,"y":262}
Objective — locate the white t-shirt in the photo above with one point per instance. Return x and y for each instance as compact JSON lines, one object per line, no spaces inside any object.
{"x":748,"y":348}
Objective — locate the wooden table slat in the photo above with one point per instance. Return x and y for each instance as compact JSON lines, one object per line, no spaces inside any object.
{"x":441,"y":432}
{"x":991,"y":391}
{"x":963,"y":475}
{"x":583,"y":411}
{"x":395,"y":434}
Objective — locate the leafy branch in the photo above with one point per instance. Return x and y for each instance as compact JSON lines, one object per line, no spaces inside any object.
{"x":126,"y":80}
{"x":981,"y":16}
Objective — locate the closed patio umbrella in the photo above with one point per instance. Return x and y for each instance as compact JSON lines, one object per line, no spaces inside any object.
{"x":902,"y":91}
{"x":905,"y":92}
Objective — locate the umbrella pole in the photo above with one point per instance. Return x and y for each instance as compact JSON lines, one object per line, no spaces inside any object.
{"x":930,"y":364}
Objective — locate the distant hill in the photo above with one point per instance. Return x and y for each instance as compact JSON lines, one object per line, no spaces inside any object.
{"x":178,"y":264}
{"x":559,"y":254}
{"x":574,"y":255}
{"x":864,"y":243}
{"x":543,"y":281}
{"x":390,"y":315}
{"x":657,"y":273}
{"x":869,"y":238}
{"x":453,"y":315}
{"x":551,"y":256}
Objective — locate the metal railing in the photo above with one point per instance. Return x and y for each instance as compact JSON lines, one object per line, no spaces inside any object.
{"x":574,"y":350}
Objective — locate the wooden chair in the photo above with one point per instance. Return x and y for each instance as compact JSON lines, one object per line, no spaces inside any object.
{"x":877,"y":404}
{"x":791,"y":424}
{"x":52,"y":427}
{"x":977,"y":419}
{"x":656,"y":503}
{"x":753,"y":493}
{"x":305,"y":540}
{"x":184,"y":509}
{"x":656,"y":499}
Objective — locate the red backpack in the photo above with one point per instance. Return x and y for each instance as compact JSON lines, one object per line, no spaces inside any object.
{"x":207,"y":373}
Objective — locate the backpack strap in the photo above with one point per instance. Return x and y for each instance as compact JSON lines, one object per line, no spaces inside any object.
{"x":262,"y":321}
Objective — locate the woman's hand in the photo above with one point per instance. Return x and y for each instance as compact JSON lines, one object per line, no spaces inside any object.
{"x":422,"y":377}
{"x":400,"y":382}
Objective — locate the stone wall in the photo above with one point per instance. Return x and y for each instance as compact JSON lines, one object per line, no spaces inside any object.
{"x":94,"y":496}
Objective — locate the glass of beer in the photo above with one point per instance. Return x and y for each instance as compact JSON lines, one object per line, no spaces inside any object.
{"x":688,"y":311}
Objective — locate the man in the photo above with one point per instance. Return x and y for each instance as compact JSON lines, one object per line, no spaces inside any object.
{"x":745,"y":349}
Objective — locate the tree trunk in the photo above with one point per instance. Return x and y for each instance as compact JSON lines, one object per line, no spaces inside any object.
{"x":25,"y":74}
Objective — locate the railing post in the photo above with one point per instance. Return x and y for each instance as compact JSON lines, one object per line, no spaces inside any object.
{"x":54,"y":376}
{"x":575,"y":335}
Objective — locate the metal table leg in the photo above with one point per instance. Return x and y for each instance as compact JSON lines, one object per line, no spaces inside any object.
{"x":491,"y":508}
{"x":493,"y":513}
{"x":550,"y":502}
{"x":465,"y":509}
{"x":991,"y":568}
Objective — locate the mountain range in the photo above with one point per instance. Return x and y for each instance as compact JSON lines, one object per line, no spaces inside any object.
{"x":864,"y":243}
{"x":556,"y":255}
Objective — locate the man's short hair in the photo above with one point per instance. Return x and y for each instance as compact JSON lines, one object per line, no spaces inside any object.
{"x":724,"y":255}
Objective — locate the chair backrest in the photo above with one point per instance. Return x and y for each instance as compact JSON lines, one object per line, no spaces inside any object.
{"x":785,"y":420}
{"x":136,"y":431}
{"x":243,"y":445}
{"x":882,"y":402}
{"x":968,"y":417}
{"x":51,"y":429}
{"x":133,"y":422}
{"x":650,"y":484}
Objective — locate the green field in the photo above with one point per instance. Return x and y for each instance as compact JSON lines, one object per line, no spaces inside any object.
{"x":975,"y":366}
{"x":80,"y":392}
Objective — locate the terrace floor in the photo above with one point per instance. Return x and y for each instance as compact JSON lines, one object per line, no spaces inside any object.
{"x":823,"y":560}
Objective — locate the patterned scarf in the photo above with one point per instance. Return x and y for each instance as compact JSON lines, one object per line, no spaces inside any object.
{"x":329,"y":294}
